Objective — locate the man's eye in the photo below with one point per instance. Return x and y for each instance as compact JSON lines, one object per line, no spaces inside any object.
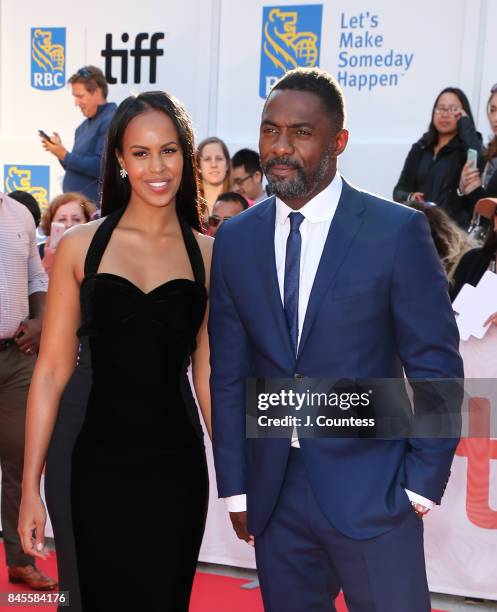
{"x":303,"y":132}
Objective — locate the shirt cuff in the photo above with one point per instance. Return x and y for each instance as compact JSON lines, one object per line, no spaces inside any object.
{"x":419,"y":499}
{"x":236,"y":503}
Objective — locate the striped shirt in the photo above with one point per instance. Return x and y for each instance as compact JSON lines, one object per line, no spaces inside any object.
{"x":21,"y":270}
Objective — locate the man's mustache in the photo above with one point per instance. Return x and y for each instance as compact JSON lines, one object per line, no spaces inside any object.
{"x":281,"y":161}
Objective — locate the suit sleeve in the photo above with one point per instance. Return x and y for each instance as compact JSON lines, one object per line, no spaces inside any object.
{"x":230,"y":356}
{"x":428,"y":344}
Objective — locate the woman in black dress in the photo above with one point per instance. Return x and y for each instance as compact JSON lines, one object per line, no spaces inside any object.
{"x":133,"y":287}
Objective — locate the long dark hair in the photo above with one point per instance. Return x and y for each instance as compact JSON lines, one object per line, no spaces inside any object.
{"x":491,"y":150}
{"x":430,"y":138}
{"x":116,"y":191}
{"x":490,"y":243}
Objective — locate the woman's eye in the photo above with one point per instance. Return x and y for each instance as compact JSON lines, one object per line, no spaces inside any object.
{"x":139,"y":154}
{"x":168,"y":151}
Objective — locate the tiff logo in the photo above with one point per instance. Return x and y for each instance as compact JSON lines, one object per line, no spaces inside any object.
{"x":137,"y":52}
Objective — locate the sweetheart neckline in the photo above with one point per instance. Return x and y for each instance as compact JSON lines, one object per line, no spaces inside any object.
{"x":132,"y":284}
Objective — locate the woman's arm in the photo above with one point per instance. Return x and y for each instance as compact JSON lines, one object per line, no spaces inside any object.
{"x":406,"y":184}
{"x":201,"y":369}
{"x":55,"y":364}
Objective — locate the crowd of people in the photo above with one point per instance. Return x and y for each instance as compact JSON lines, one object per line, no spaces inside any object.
{"x":128,"y":302}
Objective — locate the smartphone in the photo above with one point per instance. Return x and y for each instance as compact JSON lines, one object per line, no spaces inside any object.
{"x":56,"y":232}
{"x":45,"y":136}
{"x":472,"y":156}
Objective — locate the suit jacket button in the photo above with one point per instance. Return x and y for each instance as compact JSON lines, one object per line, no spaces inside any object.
{"x":298,"y":376}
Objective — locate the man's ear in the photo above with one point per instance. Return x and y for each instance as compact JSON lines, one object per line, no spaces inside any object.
{"x":258,"y":176}
{"x":340,"y":141}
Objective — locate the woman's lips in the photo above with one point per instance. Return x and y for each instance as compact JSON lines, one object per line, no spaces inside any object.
{"x":158,"y":186}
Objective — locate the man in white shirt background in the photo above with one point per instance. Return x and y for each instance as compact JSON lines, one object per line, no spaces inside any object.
{"x":23,"y":286}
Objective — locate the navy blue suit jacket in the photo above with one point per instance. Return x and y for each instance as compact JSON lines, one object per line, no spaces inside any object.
{"x":379,"y":303}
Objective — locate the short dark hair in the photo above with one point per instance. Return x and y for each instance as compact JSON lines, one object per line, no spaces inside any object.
{"x":232,"y":196}
{"x":116,"y":192}
{"x":92,"y":78}
{"x":247,"y":158}
{"x":29,"y":202}
{"x":322,"y":84}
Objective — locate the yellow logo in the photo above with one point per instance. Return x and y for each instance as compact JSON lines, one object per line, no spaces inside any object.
{"x":48,"y":58}
{"x":19,"y":178}
{"x":284,"y":45}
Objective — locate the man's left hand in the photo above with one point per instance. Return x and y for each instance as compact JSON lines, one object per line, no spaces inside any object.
{"x":55,"y":147}
{"x":419,"y":509}
{"x":27,"y":336}
{"x":491,"y":319}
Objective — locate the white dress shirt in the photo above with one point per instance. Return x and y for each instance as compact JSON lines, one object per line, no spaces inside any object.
{"x":21,"y":270}
{"x":318,"y":214}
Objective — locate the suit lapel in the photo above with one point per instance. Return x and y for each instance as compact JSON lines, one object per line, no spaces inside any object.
{"x":343,"y":229}
{"x":266,"y":261}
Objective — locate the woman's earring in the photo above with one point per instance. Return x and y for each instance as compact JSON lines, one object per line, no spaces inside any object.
{"x":123,"y":173}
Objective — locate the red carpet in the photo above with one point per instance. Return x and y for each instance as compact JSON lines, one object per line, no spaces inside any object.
{"x":211,"y":593}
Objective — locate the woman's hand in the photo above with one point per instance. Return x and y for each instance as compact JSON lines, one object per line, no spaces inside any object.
{"x":48,"y":256}
{"x":32,"y":519}
{"x":491,"y":319}
{"x":460,"y":113}
{"x":470,"y":178}
{"x":417,"y":196}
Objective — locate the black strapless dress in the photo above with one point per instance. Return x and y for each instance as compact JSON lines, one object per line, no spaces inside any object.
{"x":139,"y":481}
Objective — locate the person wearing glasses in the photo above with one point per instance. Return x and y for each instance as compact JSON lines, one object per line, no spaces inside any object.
{"x":434,"y":163}
{"x":474,"y":185}
{"x":246,"y":176}
{"x":228,"y":205}
{"x":213,"y":163}
{"x":82,"y":164}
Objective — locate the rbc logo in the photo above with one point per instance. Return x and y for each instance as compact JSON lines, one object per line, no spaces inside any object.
{"x":33,"y":179}
{"x":291,"y":37}
{"x":48,"y":58}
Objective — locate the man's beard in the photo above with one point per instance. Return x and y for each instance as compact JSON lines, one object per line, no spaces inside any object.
{"x":303,"y":184}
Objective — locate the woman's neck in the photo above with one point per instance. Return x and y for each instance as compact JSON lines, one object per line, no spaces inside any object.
{"x":149,"y":218}
{"x":211,"y":193}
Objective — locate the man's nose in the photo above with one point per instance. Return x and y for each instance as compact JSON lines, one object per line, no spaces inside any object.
{"x":282,"y":145}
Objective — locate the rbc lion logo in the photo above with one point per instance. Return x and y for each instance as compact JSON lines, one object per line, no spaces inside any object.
{"x":33,"y":179}
{"x":291,"y":37}
{"x":48,"y":58}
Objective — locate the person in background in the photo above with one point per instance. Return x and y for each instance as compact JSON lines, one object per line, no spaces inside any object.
{"x":434,"y":163}
{"x":23,"y":286}
{"x":472,"y":185}
{"x":450,"y":240}
{"x":228,"y":205}
{"x":476,"y":262}
{"x":68,"y":209}
{"x":29,"y":202}
{"x":246,"y":176}
{"x":213,"y":162}
{"x":82,"y":164}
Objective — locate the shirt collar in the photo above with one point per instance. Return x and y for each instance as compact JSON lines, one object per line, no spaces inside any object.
{"x":322,"y":207}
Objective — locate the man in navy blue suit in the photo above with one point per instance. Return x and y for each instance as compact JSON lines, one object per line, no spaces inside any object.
{"x":322,"y":280}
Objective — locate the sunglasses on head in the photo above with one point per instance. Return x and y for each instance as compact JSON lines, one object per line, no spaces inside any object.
{"x":85,"y":73}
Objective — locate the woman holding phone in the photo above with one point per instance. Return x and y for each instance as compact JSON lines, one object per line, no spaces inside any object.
{"x":63,"y":212}
{"x":473,"y":185}
{"x":434,"y":163}
{"x":134,"y":286}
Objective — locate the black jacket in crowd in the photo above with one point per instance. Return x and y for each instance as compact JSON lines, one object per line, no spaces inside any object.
{"x":470,"y":269}
{"x":438,"y":176}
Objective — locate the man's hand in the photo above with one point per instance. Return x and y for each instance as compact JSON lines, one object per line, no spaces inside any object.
{"x":239,"y":521}
{"x":55,"y":147}
{"x":419,"y":509}
{"x":27,"y":336}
